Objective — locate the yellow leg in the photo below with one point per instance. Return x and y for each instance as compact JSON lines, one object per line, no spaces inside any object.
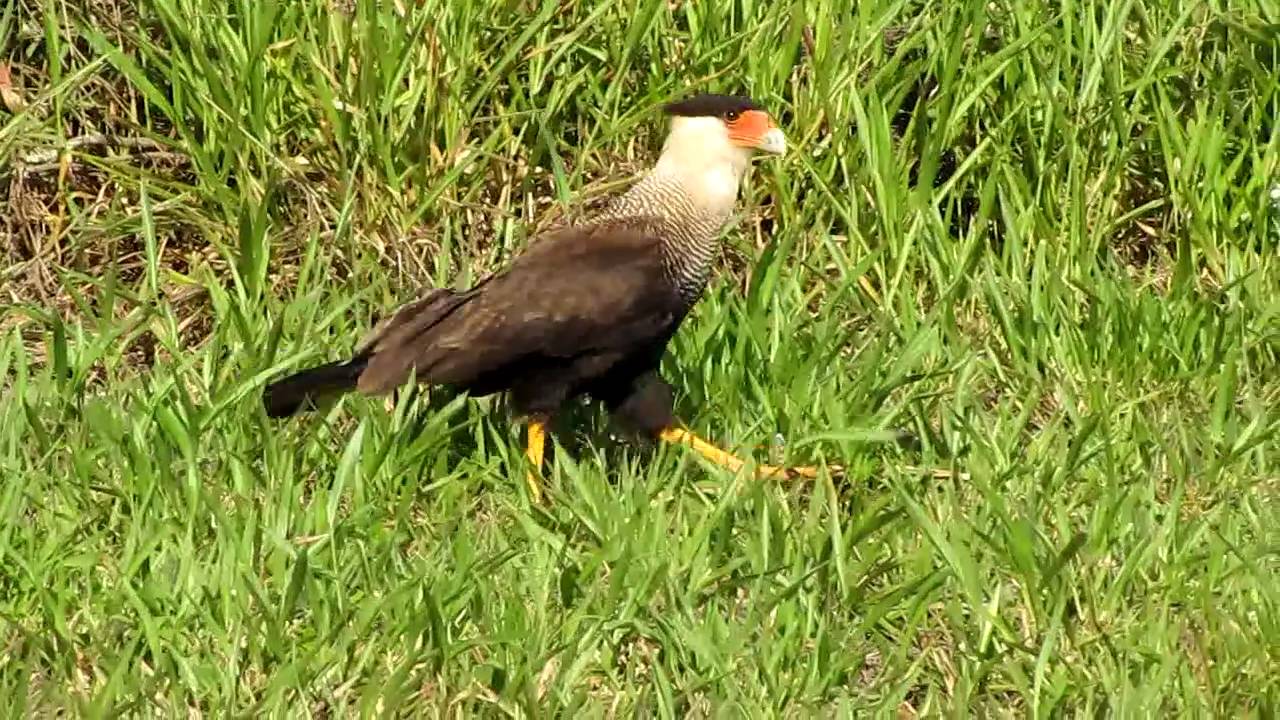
{"x":680,"y":436}
{"x":537,"y":442}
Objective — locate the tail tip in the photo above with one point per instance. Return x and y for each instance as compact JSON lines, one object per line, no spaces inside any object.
{"x":277,"y":406}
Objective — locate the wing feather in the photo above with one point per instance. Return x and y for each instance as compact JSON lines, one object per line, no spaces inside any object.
{"x":575,"y":291}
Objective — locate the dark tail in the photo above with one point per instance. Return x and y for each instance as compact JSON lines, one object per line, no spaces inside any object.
{"x":287,"y":396}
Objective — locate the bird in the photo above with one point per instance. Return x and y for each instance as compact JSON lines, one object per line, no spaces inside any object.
{"x":586,"y":309}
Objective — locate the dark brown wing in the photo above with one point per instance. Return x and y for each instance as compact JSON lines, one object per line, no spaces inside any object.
{"x":595,"y":289}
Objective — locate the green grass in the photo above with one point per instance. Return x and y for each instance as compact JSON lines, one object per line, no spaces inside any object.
{"x":1038,"y":235}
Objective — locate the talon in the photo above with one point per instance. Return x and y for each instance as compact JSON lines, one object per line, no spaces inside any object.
{"x":727,"y":460}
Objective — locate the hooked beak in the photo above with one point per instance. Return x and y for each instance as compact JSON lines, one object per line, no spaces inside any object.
{"x":773,"y":142}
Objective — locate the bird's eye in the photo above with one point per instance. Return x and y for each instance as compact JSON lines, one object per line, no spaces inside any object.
{"x":731,"y":116}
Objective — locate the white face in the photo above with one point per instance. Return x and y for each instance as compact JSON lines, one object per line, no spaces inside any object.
{"x":709,"y":155}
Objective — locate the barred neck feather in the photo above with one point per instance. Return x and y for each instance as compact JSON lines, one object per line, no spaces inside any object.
{"x":693,"y":189}
{"x":689,"y":233}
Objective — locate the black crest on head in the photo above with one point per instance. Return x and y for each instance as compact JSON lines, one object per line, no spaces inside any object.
{"x":711,"y":105}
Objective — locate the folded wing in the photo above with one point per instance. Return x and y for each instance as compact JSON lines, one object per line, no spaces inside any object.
{"x":580,"y":295}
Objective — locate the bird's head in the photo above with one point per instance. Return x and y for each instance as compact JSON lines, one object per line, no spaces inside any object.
{"x":713,"y":127}
{"x":712,"y":141}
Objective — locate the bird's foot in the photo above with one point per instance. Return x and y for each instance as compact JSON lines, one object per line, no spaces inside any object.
{"x":808,"y":472}
{"x":727,"y":460}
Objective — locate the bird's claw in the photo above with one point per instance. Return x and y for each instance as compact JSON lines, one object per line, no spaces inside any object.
{"x":807,"y":472}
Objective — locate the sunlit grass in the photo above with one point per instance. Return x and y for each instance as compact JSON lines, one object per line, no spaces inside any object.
{"x":1039,"y":237}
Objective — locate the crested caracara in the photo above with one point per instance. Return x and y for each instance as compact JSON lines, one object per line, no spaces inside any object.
{"x":586,"y":309}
